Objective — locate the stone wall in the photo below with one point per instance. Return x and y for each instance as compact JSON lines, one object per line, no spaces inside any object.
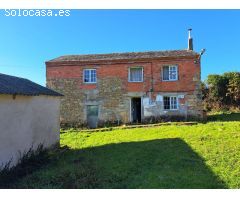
{"x":71,"y":106}
{"x":109,"y":95}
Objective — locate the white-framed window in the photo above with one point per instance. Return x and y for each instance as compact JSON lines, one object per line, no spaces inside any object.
{"x":170,"y":73}
{"x":89,"y":76}
{"x":170,"y":103}
{"x":135,"y":74}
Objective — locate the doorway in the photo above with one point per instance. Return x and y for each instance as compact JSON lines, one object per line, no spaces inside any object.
{"x":136,"y":108}
{"x":92,"y":116}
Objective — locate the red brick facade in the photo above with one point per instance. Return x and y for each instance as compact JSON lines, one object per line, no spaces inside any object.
{"x":187,"y":70}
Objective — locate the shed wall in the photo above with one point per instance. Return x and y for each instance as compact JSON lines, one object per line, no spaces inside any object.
{"x":26,"y":122}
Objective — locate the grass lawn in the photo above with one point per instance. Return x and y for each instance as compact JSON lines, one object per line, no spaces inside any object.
{"x":198,"y":156}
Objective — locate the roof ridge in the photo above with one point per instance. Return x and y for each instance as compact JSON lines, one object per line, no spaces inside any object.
{"x":125,"y":55}
{"x":151,"y":51}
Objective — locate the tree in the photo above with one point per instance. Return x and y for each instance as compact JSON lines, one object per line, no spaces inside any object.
{"x":233,"y":88}
{"x":223,"y":91}
{"x":217,"y":85}
{"x":205,"y":96}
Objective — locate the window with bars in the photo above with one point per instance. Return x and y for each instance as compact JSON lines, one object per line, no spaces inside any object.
{"x":90,"y":75}
{"x":135,"y":74}
{"x":170,"y":73}
{"x":170,"y":103}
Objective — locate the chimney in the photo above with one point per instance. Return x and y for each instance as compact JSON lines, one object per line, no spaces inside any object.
{"x":190,"y":40}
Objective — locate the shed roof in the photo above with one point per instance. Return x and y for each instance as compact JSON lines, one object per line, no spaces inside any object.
{"x":21,"y":86}
{"x":126,"y":56}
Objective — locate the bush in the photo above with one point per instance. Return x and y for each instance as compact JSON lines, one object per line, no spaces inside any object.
{"x":108,"y":123}
{"x":163,"y":118}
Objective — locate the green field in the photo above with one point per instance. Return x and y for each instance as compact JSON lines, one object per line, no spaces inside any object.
{"x":197,"y":156}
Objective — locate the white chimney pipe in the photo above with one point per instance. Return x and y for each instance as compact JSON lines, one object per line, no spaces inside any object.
{"x":190,"y":40}
{"x":189,"y":33}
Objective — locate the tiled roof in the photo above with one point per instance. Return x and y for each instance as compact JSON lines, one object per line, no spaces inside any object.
{"x":125,"y":56}
{"x":20,"y":86}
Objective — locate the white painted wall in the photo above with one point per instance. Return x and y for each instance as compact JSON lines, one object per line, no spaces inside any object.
{"x":156,"y":108}
{"x":27,"y":121}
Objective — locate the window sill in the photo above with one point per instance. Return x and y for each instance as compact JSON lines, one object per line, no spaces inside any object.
{"x":169,"y":80}
{"x":90,"y":83}
{"x":135,"y":81}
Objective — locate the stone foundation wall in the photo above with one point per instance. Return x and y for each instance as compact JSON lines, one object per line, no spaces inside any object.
{"x":109,"y":96}
{"x":114,"y":105}
{"x":114,"y":102}
{"x":72,"y":104}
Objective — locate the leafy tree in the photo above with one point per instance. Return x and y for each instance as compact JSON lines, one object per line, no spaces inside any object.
{"x":204,"y":90}
{"x":234,"y":88}
{"x":222,"y":91}
{"x":217,"y":86}
{"x":205,"y":96}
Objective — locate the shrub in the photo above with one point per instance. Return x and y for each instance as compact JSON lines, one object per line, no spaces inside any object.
{"x":163,"y":118}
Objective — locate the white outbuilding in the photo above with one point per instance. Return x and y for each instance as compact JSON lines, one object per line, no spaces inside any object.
{"x":29,"y":117}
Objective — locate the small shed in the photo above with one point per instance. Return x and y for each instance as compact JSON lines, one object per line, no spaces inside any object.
{"x":29,"y":117}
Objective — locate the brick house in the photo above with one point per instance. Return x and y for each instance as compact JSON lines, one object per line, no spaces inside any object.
{"x":127,"y":87}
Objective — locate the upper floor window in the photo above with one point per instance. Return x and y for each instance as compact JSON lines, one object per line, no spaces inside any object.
{"x":170,"y":73}
{"x":90,"y":75}
{"x":170,"y":103}
{"x":135,"y":74}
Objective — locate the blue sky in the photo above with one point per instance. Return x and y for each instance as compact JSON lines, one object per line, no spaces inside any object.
{"x":27,"y":42}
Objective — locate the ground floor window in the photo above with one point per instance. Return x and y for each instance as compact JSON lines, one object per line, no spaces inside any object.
{"x":170,"y":103}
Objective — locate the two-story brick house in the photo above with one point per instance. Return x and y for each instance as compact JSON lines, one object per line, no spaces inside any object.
{"x":127,"y":87}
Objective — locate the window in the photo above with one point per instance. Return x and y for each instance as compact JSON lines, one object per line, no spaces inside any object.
{"x":170,"y":103}
{"x":90,"y":76}
{"x":170,"y":73}
{"x":135,"y":74}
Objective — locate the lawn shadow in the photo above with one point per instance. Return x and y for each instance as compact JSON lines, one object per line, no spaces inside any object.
{"x":225,"y":117}
{"x":163,"y":163}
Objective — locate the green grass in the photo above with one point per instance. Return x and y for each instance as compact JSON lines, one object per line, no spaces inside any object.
{"x":198,"y":156}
